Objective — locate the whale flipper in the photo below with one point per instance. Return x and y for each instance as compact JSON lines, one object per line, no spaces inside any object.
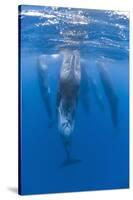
{"x":109,"y":91}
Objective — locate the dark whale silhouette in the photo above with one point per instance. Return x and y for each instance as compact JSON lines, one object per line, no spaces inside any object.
{"x":89,"y":86}
{"x":44,"y":84}
{"x":85,"y":89}
{"x":109,"y":91}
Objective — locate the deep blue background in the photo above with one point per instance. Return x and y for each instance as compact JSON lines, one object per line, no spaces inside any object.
{"x":102,"y":148}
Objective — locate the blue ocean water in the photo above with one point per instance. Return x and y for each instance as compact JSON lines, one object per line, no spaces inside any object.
{"x":103,"y":149}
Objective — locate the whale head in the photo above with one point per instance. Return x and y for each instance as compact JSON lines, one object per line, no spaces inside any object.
{"x":65,"y":121}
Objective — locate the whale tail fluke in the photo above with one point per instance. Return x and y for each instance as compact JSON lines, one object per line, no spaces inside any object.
{"x":70,"y":161}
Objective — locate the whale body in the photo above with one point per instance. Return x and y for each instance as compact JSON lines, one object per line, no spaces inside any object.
{"x":67,"y":95}
{"x":44,"y":84}
{"x":109,"y":91}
